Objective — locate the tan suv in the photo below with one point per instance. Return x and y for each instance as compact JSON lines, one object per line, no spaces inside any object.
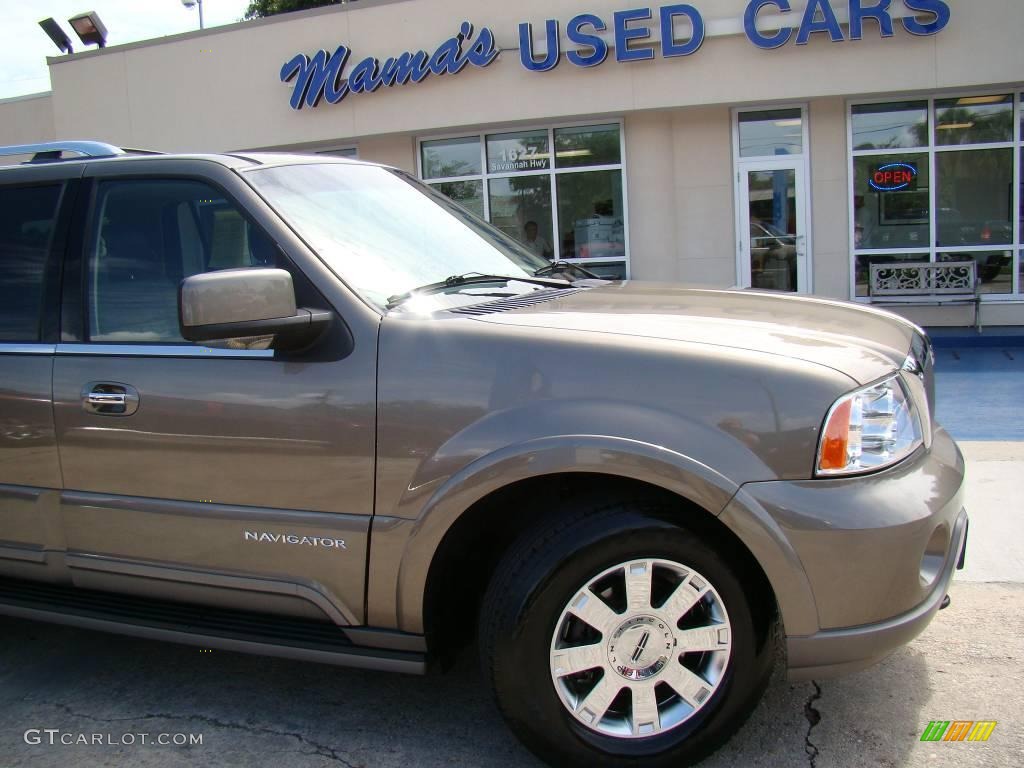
{"x":309,"y":407}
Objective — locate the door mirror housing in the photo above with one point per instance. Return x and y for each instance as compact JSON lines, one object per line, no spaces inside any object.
{"x":235,"y":303}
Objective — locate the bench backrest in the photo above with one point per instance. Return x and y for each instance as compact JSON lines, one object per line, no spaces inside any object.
{"x":944,"y":278}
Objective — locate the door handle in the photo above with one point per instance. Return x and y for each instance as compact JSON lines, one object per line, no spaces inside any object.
{"x":106,"y":398}
{"x":109,"y":398}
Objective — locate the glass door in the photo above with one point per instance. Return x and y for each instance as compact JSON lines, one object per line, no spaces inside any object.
{"x":772,"y":223}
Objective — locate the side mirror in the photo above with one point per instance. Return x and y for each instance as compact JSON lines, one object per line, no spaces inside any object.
{"x":234,"y":303}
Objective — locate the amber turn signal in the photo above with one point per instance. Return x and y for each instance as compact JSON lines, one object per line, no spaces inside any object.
{"x":836,"y":438}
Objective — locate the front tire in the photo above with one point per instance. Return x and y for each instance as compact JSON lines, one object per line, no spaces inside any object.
{"x":614,"y":638}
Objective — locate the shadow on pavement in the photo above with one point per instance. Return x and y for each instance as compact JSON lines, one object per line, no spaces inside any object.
{"x":255,"y":711}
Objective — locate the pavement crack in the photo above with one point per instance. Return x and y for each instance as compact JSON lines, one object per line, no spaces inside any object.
{"x":813,"y":718}
{"x":321,"y":750}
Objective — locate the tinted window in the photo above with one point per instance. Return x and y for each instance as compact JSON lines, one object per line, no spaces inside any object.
{"x":27,"y":216}
{"x":147,"y":237}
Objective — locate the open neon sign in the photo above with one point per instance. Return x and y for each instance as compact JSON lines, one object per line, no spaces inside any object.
{"x":893,"y":177}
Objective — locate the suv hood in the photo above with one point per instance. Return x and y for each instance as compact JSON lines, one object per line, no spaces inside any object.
{"x":861,"y":342}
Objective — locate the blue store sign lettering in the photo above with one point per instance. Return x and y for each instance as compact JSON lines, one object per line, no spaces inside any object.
{"x":322,"y":75}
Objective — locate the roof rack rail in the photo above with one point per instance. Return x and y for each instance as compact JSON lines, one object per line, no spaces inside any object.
{"x":53,"y":150}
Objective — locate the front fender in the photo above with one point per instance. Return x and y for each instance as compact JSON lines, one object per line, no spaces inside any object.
{"x":622,"y":457}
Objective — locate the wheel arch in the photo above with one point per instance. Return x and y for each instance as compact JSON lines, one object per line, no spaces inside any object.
{"x":469,"y":522}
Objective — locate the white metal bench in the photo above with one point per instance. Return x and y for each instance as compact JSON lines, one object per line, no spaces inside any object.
{"x":944,"y":282}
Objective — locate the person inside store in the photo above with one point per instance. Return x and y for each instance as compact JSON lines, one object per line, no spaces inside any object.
{"x":535,"y":242}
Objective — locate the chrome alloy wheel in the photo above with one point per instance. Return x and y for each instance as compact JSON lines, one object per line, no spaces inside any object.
{"x":640,"y":649}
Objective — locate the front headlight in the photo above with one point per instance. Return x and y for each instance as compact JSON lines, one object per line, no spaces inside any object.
{"x":869,"y":429}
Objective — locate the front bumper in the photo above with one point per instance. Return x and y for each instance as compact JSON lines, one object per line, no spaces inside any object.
{"x":835,"y":652}
{"x":873,"y":556}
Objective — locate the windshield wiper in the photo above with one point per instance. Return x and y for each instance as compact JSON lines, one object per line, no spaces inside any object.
{"x":564,"y":266}
{"x":470,"y":278}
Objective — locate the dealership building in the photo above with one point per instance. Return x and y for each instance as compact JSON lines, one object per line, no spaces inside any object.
{"x":786,"y":145}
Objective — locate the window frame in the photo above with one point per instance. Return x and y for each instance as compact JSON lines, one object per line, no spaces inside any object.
{"x":742,"y":164}
{"x":932,"y":149}
{"x":552,"y":172}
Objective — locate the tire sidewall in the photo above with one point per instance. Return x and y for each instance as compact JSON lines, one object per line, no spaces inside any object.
{"x":561,"y":569}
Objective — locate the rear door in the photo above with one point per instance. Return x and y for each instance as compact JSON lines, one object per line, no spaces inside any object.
{"x":228,"y":474}
{"x":34,"y":207}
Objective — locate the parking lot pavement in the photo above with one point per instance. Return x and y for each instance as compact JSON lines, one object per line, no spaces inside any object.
{"x":256,"y":712}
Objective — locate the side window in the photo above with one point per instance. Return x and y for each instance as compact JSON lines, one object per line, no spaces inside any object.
{"x":147,"y":236}
{"x":27,"y":218}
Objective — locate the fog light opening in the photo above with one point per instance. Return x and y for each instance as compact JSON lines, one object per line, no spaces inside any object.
{"x":934,"y":556}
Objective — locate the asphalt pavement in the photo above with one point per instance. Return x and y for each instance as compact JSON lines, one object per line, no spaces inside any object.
{"x":252,"y":711}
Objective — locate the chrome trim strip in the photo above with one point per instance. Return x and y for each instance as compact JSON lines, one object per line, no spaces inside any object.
{"x":159,"y":350}
{"x":27,"y":349}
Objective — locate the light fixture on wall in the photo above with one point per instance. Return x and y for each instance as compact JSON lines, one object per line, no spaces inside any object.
{"x":89,"y":28}
{"x":56,"y":34}
{"x":193,"y":3}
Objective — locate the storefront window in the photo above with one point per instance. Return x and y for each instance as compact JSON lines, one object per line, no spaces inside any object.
{"x":886,"y":217}
{"x":578,"y":147}
{"x":521,"y":208}
{"x":974,"y":120}
{"x":966,"y":213}
{"x":525,"y":151}
{"x":468,"y":194}
{"x":451,"y":157}
{"x":975,"y":197}
{"x":770,"y":133}
{"x":558,"y":191}
{"x":590,"y":217}
{"x":890,"y":126}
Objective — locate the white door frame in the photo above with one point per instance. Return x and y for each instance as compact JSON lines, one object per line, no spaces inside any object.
{"x":801,"y":162}
{"x":795,"y":164}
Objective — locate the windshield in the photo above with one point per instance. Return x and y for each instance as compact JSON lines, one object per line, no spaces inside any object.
{"x":383,"y":232}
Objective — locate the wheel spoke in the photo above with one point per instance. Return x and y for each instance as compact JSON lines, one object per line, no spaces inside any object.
{"x":689,"y":686}
{"x":638,"y":585}
{"x":646,"y":720}
{"x":591,"y":710}
{"x":569,"y":661}
{"x":679,"y":603}
{"x":713,"y":638}
{"x":594,"y":611}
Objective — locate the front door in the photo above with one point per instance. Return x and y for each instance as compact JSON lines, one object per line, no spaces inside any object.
{"x":772,"y":234}
{"x":222,"y":473}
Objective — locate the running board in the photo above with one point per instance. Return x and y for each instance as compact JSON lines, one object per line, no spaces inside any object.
{"x":224,"y":629}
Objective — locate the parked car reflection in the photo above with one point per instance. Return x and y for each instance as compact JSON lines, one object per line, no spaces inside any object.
{"x":772,"y":257}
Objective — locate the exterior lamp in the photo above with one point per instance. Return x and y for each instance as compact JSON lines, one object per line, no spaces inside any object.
{"x":193,"y":3}
{"x":55,"y":33}
{"x":89,"y":28}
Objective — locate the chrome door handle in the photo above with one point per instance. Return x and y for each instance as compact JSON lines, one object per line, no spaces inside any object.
{"x":109,"y":398}
{"x":106,"y":398}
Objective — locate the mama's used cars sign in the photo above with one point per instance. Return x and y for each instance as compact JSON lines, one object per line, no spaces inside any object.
{"x":629,"y":33}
